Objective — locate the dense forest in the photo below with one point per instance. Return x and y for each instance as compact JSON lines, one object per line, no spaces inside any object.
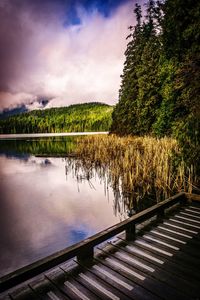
{"x":74,"y":118}
{"x":160,"y":86}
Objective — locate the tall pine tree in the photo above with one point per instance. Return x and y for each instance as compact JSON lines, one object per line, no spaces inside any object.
{"x":160,"y":87}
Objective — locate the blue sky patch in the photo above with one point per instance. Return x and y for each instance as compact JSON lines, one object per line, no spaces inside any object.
{"x":104,"y":7}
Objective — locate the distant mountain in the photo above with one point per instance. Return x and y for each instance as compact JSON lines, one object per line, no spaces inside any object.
{"x":92,"y":116}
{"x":13,"y":111}
{"x":41,"y":103}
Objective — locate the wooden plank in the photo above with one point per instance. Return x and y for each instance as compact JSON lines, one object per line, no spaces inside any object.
{"x":24,"y":293}
{"x":168,"y":252}
{"x":187,"y":219}
{"x":187,"y":240}
{"x":172,"y":263}
{"x":177,"y":259}
{"x":46,"y":290}
{"x":173,"y":233}
{"x":67,"y":283}
{"x":120,"y":283}
{"x":172,"y":269}
{"x":146,"y":288}
{"x":156,"y":287}
{"x":194,"y":206}
{"x":101,"y":288}
{"x":186,"y":225}
{"x":138,"y":293}
{"x":189,"y":215}
{"x":145,"y":255}
{"x":51,"y":261}
{"x":171,"y":239}
{"x":179,"y":228}
{"x":162,"y":274}
{"x":78,"y":291}
{"x":192,"y":209}
{"x":189,"y":248}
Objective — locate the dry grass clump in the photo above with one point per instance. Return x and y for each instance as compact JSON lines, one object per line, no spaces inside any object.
{"x":135,"y":167}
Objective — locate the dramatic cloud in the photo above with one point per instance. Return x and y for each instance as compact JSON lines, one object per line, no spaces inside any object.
{"x":43,"y":54}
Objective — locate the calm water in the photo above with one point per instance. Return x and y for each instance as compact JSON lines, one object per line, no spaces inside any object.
{"x":43,"y":207}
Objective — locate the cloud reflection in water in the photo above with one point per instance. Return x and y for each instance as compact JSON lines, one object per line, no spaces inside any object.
{"x":42,"y":212}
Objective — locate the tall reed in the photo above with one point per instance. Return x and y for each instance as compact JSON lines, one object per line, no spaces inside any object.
{"x":135,"y":167}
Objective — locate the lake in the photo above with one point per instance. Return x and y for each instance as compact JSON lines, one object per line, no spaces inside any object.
{"x":44,"y":206}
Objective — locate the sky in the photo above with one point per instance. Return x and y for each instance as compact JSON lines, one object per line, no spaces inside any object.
{"x":63,"y":51}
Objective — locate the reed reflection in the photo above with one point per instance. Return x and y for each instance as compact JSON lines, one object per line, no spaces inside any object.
{"x":141,"y":171}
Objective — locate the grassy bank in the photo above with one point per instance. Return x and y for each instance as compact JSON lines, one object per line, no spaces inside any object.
{"x":136,"y":167}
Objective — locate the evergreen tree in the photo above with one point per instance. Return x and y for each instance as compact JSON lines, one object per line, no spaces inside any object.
{"x":160,"y":88}
{"x":138,"y":95}
{"x":125,"y":112}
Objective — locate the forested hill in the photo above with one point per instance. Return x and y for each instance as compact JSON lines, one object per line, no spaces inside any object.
{"x":160,"y":86}
{"x":74,"y":118}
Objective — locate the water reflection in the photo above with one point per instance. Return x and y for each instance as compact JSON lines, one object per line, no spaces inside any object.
{"x":42,"y":210}
{"x":52,"y":146}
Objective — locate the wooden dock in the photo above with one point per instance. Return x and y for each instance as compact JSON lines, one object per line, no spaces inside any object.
{"x":160,"y":260}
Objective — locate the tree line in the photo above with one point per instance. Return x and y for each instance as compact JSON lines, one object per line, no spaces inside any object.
{"x":160,"y":84}
{"x":74,"y":118}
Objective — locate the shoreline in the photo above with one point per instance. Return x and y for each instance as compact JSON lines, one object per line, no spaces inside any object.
{"x":33,"y":135}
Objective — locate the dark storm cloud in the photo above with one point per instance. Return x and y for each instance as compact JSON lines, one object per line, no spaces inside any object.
{"x":12,"y":37}
{"x":16,"y":34}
